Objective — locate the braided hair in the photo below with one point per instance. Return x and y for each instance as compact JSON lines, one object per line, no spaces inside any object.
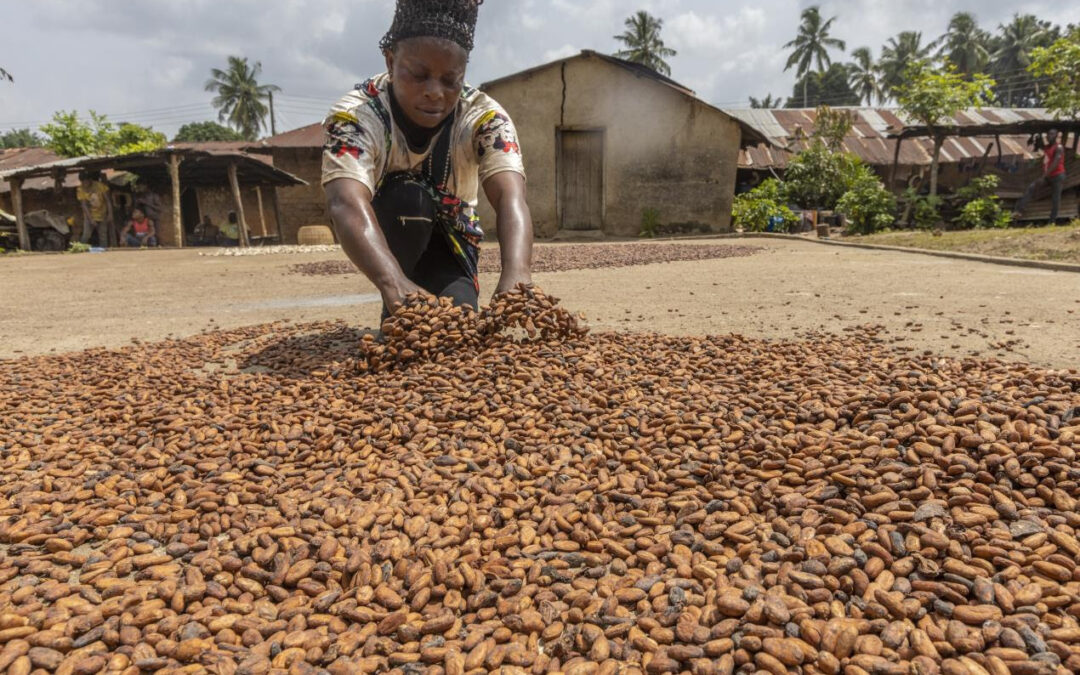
{"x":453,"y":20}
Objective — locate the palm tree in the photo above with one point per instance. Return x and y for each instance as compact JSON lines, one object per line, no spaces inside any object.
{"x":863,"y":76}
{"x":1013,"y":53}
{"x":812,"y":44}
{"x":964,"y":44}
{"x":643,"y":43}
{"x":897,"y":54}
{"x":5,"y":75}
{"x":769,"y":101}
{"x":240,"y":97}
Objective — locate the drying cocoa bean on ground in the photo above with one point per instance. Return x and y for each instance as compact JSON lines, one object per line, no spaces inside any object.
{"x":260,"y":501}
{"x":571,"y":257}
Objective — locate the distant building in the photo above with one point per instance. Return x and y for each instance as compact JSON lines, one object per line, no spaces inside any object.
{"x":605,"y":140}
{"x":986,"y":140}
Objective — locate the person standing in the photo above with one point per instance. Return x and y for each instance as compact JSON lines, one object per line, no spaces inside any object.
{"x":405,"y":155}
{"x":1053,"y":175}
{"x":93,"y":197}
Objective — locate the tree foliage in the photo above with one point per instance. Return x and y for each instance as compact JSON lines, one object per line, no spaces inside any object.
{"x":830,"y":87}
{"x":240,"y":98}
{"x":69,"y":136}
{"x":867,"y":206}
{"x":205,"y":132}
{"x":816,"y":178}
{"x":897,"y":56}
{"x":832,"y":126}
{"x":756,"y":210}
{"x":863,"y":76}
{"x":964,"y":44}
{"x":1060,"y":65}
{"x":811,"y":45}
{"x":644,"y":44}
{"x":5,"y":75}
{"x":21,"y":138}
{"x":769,"y":101}
{"x":932,"y":96}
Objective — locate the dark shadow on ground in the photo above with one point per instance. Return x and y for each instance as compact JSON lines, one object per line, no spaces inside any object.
{"x":323,"y":353}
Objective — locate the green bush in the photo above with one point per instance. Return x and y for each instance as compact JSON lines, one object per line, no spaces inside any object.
{"x":983,"y":213}
{"x":650,"y":223}
{"x":868,"y":207}
{"x":982,"y":209}
{"x":925,"y":209}
{"x":755,"y":209}
{"x":817,"y":178}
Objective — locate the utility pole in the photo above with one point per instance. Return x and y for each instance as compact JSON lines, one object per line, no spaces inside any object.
{"x":273,"y":122}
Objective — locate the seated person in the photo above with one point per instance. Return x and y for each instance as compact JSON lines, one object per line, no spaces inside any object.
{"x":229,"y":232}
{"x":140,"y":231}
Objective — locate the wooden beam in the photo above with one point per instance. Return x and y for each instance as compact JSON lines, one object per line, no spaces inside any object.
{"x":20,"y":221}
{"x":277,"y":217}
{"x":895,"y":161}
{"x":262,"y":215}
{"x":178,"y":221}
{"x":235,"y":183}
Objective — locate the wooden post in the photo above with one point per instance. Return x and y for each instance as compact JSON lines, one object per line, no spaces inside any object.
{"x":20,"y":222}
{"x":262,"y":215}
{"x":235,"y":183}
{"x":277,"y":217}
{"x":895,"y":161}
{"x":174,"y":177}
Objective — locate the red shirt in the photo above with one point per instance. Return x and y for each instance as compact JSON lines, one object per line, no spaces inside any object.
{"x":1059,"y":163}
{"x":141,"y":226}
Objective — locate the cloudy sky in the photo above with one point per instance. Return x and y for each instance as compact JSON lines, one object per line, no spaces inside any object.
{"x":146,"y":60}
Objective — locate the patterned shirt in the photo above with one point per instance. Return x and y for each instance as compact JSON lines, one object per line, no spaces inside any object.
{"x":359,"y":146}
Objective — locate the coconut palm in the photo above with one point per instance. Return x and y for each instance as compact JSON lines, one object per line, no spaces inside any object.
{"x":769,"y":101}
{"x":897,"y":54}
{"x":812,"y":44}
{"x":5,"y":75}
{"x":240,"y":97}
{"x":964,"y":44}
{"x":863,"y":76}
{"x":643,"y":43}
{"x":1013,"y":54}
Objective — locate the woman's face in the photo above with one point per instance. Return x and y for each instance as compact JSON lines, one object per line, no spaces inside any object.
{"x":427,"y":74}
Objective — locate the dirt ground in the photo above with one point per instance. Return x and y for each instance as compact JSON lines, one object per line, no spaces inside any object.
{"x":59,"y":303}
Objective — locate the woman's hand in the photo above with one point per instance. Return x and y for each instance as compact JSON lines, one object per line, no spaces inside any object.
{"x":394,"y":294}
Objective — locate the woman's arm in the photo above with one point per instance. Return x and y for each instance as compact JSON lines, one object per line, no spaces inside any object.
{"x":513,"y":223}
{"x":362,"y":238}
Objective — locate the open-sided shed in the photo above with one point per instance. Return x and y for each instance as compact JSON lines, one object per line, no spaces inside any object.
{"x":207,"y":174}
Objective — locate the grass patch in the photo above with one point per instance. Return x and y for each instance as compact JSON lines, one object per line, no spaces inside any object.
{"x":1057,"y":243}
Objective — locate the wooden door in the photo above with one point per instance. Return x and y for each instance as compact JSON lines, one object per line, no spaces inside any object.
{"x":581,"y":180}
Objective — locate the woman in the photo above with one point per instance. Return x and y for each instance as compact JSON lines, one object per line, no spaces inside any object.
{"x":405,"y":155}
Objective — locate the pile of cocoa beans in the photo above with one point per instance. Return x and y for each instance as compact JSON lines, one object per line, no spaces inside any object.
{"x":253,"y":501}
{"x":430,"y":329}
{"x":562,"y":257}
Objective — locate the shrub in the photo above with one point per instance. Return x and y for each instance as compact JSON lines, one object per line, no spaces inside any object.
{"x":925,"y":210}
{"x":868,"y":207}
{"x":78,"y":247}
{"x":755,"y":210}
{"x":650,"y":223}
{"x":983,"y":213}
{"x":817,"y":178}
{"x":982,"y":208}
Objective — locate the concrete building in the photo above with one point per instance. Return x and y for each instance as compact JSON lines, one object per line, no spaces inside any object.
{"x":606,"y":141}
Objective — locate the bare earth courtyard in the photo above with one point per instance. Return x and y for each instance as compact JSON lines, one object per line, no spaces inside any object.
{"x":60,"y":303}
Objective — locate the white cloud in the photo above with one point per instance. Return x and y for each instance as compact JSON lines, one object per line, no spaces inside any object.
{"x":560,"y":53}
{"x":154,"y":54}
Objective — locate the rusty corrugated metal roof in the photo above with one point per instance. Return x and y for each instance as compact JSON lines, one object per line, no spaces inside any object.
{"x":20,"y":158}
{"x":869,"y":139}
